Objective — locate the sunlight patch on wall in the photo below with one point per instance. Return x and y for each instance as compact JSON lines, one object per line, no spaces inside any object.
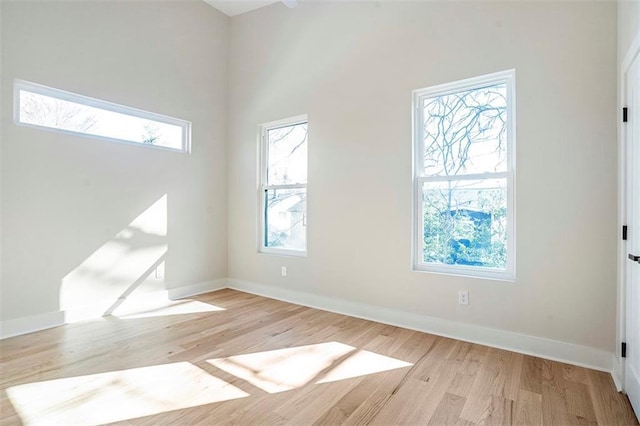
{"x":119,"y":395}
{"x":286,"y":369}
{"x":118,"y":267}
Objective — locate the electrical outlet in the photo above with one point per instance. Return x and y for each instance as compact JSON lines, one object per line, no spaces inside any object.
{"x":283,"y":271}
{"x":463,"y":297}
{"x":158,"y":273}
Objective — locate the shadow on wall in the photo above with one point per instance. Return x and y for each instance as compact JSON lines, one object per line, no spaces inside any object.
{"x":132,"y":261}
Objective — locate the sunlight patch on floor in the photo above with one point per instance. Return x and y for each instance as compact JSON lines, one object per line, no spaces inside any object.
{"x":362,"y":363}
{"x":119,"y":395}
{"x":283,"y":369}
{"x":286,"y":369}
{"x":164,"y":308}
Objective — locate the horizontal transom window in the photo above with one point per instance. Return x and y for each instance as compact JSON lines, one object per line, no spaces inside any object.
{"x":59,"y":110}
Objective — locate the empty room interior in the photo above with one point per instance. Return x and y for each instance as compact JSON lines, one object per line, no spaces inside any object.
{"x":320,"y":212}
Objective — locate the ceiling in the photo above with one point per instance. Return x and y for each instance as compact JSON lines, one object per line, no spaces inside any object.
{"x":236,"y":7}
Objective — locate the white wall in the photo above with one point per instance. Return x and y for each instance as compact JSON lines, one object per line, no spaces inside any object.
{"x":66,"y":197}
{"x":351,"y":67}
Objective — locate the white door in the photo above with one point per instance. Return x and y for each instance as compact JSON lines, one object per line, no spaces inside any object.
{"x":632,"y":370}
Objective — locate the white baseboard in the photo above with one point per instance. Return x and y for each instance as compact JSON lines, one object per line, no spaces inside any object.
{"x":30,"y":324}
{"x":198,"y":288}
{"x":570,"y":353}
{"x":633,"y":389}
{"x":19,"y":326}
{"x":617,"y":372}
{"x":545,"y":348}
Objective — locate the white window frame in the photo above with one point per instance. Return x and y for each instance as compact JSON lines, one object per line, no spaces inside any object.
{"x":263,"y":187}
{"x":39,"y":89}
{"x":419,"y":178}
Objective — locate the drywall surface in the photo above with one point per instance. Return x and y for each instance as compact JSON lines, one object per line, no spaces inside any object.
{"x":352,"y":67}
{"x":86,"y":220}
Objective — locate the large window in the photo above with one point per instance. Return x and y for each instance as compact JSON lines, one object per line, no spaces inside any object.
{"x":61,"y":111}
{"x":283,"y":191}
{"x":464,"y":177}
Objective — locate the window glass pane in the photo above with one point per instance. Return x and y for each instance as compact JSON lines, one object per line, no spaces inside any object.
{"x":287,"y":155}
{"x":286,"y":220}
{"x":55,"y":113}
{"x":466,"y":132}
{"x":465,"y":222}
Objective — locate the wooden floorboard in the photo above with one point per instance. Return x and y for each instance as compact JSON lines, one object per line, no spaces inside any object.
{"x":261,"y":361}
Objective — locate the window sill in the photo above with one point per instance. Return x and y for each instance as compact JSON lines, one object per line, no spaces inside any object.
{"x":283,"y":252}
{"x":467,"y":272}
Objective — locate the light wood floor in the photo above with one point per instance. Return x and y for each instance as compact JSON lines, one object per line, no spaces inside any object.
{"x":260,"y":361}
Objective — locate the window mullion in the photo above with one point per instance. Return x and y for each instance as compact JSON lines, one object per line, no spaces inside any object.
{"x":480,"y":176}
{"x":290,"y":186}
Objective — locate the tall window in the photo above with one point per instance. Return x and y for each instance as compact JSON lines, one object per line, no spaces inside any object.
{"x":60,"y":111}
{"x":464,"y":137}
{"x":283,"y":192}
